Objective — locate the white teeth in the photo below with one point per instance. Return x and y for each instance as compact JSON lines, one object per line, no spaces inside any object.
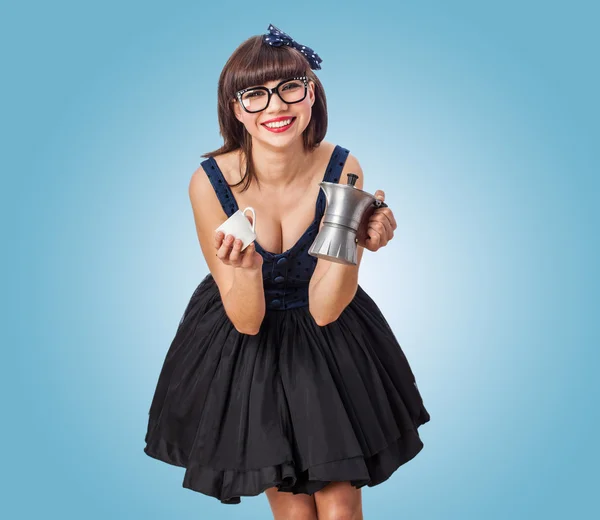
{"x":279,"y":124}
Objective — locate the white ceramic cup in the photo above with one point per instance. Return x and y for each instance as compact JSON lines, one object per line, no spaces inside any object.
{"x":239,"y":226}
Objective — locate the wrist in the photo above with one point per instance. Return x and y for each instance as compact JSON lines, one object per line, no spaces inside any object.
{"x":249,"y":272}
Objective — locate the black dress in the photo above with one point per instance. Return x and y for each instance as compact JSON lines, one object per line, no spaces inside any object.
{"x":295,"y":406}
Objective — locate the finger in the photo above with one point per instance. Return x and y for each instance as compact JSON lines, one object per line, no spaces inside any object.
{"x":223,"y":252}
{"x":380,"y":194}
{"x":248,"y":256}
{"x":383,"y":228}
{"x":390,"y":216}
{"x":235,"y":255}
{"x":373,"y":240}
{"x":219,"y":236}
{"x":389,"y":230}
{"x":386,"y":216}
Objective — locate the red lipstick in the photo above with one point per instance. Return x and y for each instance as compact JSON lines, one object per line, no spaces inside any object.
{"x":281,"y":128}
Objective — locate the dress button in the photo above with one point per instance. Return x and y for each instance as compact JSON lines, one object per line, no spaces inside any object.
{"x":275,"y":303}
{"x":282,"y":261}
{"x":279,"y":279}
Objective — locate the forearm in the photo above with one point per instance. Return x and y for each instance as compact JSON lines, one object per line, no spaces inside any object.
{"x":331,"y":294}
{"x":245,"y":302}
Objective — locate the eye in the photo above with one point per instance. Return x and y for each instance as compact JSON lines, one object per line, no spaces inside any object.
{"x":254,"y":93}
{"x":292,"y":85}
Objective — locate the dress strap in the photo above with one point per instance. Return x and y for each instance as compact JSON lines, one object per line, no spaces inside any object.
{"x":333,"y":172}
{"x":336,"y":164}
{"x":222,"y":189}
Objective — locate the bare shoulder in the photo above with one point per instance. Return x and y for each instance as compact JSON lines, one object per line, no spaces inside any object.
{"x":208,"y":212}
{"x":201,"y":191}
{"x":352,"y":166}
{"x":200,"y":183}
{"x":199,"y":179}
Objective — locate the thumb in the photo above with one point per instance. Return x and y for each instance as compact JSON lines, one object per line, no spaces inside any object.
{"x":379,"y":194}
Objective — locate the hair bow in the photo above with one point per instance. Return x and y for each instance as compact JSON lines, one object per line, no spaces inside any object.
{"x":276,"y":38}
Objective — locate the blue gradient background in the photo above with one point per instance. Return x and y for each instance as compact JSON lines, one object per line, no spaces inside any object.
{"x":480,"y":123}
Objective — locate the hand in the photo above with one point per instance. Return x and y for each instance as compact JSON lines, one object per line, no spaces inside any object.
{"x":379,"y":228}
{"x":229,"y":252}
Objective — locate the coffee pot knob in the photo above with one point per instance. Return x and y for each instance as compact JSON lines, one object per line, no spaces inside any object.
{"x":352,"y":178}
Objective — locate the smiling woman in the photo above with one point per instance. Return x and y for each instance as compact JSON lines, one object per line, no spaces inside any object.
{"x":283,"y":377}
{"x":256,"y":64}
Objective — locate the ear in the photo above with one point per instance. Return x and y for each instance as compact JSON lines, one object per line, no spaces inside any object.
{"x":311,"y":92}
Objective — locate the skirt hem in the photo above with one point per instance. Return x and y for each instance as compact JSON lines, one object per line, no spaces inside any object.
{"x":229,"y":485}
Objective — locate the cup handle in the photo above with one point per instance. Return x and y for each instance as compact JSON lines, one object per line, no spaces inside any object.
{"x":253,"y":216}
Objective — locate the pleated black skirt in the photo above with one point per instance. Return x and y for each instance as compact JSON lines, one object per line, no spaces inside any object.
{"x":296,"y":406}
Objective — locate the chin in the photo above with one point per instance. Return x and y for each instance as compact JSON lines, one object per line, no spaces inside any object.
{"x":278,"y":141}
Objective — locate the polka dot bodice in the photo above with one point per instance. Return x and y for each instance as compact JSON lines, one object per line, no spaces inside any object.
{"x":285,"y":275}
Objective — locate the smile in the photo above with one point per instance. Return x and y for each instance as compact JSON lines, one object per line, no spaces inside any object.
{"x":280,"y":125}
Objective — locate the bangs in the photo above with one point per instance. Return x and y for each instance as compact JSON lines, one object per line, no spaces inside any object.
{"x":256,"y":63}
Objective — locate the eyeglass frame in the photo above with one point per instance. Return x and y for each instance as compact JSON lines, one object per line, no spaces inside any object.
{"x":270,"y":92}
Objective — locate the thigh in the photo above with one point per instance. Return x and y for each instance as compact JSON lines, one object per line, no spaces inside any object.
{"x":339,"y":500}
{"x":288,"y":506}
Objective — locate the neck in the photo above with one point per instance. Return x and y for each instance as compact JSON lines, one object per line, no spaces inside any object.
{"x":277,"y":168}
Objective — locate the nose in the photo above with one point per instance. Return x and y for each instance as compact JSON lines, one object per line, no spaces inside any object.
{"x":276,"y":104}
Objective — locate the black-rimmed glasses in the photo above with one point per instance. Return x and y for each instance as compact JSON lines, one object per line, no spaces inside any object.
{"x":256,"y":99}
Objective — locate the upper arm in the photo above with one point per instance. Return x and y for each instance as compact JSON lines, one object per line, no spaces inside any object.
{"x":208,"y":216}
{"x":351,"y":166}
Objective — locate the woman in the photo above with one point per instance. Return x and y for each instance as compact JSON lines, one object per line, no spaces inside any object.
{"x":283,"y":376}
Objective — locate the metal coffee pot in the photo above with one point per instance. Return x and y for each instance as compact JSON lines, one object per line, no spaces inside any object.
{"x":346,"y":217}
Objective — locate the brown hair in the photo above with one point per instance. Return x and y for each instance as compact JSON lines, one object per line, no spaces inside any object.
{"x":254,"y":63}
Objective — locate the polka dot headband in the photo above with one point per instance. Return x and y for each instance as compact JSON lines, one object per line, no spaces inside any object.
{"x":276,"y":38}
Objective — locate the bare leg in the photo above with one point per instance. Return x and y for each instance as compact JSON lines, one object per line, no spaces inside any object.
{"x":287,"y":506}
{"x":339,"y":501}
